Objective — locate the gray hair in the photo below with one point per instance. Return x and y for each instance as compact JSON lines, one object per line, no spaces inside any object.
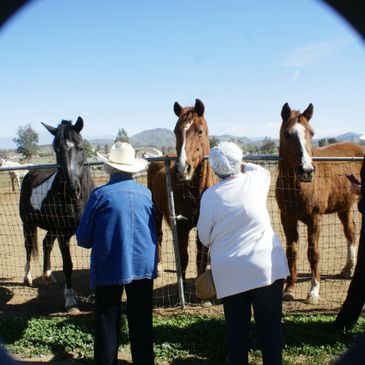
{"x":110,"y":170}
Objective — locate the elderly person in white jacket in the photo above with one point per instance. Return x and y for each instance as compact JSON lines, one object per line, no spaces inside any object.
{"x":247,"y":260}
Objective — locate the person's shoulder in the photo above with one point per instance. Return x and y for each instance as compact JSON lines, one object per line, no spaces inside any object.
{"x":138,"y":187}
{"x":98,"y":190}
{"x":211,"y":191}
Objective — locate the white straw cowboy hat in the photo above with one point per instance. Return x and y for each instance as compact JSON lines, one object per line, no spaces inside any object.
{"x":122,"y":157}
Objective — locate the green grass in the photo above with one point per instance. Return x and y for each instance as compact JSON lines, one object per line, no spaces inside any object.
{"x":309,"y":340}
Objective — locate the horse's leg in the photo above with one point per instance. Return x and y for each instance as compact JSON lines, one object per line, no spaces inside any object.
{"x":290,"y":226}
{"x":64,"y":243}
{"x":347,"y":219}
{"x":30,"y":240}
{"x":48,"y":242}
{"x":313,"y":231}
{"x":201,"y":256}
{"x":183,"y":237}
{"x":159,"y":219}
{"x":12,"y":178}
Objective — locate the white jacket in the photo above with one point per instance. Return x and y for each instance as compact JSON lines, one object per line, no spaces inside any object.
{"x":235,"y":224}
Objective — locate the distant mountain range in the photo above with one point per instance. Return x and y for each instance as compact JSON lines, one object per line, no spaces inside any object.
{"x":159,"y":137}
{"x":349,"y":136}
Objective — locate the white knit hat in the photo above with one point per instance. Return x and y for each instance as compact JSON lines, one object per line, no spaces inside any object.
{"x":226,"y":158}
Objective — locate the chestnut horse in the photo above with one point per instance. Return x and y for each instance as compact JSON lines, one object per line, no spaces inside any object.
{"x":305,"y":190}
{"x":190,"y":175}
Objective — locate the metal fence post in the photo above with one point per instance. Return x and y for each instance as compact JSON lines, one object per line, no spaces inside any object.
{"x":170,"y":198}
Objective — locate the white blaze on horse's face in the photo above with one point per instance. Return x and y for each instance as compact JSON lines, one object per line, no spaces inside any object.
{"x":70,"y":144}
{"x":306,"y":160}
{"x":40,"y":192}
{"x":183,"y":167}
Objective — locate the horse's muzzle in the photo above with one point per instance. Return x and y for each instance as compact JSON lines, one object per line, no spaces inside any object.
{"x":305,"y":175}
{"x":75,"y":189}
{"x":184,"y":173}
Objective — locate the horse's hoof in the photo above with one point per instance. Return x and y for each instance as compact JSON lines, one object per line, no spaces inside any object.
{"x":28,"y":281}
{"x":49,"y":279}
{"x":159,"y":270}
{"x":346,"y":272}
{"x":312,"y":299}
{"x":288,"y":297}
{"x":73,"y":310}
{"x":208,"y":303}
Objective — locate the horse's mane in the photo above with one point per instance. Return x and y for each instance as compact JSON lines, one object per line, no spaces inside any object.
{"x":62,"y":128}
{"x":185,"y":116}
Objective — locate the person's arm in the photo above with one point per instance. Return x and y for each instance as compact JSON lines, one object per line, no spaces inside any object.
{"x":85,"y":230}
{"x":254,"y":168}
{"x":205,"y":221}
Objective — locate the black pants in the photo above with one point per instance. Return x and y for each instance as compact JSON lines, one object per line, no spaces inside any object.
{"x":355,"y":299}
{"x":267,"y":306}
{"x":107,"y":322}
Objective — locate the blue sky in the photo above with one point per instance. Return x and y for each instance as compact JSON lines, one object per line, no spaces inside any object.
{"x":123,"y":64}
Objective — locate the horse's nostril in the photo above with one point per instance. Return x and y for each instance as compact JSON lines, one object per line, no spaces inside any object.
{"x":300,"y":169}
{"x":188,"y":169}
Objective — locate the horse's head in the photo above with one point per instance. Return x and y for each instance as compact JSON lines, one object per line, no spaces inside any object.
{"x":295,"y":147}
{"x":192,"y":142}
{"x":70,"y":154}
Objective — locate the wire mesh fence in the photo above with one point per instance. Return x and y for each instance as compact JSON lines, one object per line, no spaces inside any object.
{"x":333,"y":251}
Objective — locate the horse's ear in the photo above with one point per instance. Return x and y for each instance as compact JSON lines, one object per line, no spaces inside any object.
{"x":285,"y":112}
{"x":308,"y":113}
{"x":78,"y":125}
{"x":50,"y":129}
{"x":199,"y":107}
{"x":177,"y":109}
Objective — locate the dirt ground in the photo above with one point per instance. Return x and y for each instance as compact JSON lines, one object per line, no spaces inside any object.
{"x":47,"y":299}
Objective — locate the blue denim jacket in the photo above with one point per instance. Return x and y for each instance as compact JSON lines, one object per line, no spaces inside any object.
{"x":118,"y":223}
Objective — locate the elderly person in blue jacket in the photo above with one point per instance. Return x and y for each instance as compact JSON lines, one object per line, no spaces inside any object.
{"x":247,"y":260}
{"x":118,"y":224}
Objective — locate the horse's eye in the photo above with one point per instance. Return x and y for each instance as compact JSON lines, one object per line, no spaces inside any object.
{"x":199,"y":132}
{"x":287,"y":135}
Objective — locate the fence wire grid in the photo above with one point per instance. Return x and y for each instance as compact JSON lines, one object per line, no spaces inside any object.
{"x":332,"y":246}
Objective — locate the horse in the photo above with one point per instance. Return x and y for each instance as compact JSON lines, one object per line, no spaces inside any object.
{"x":190,"y":174}
{"x":16,"y":176}
{"x":53,"y":199}
{"x":305,"y":190}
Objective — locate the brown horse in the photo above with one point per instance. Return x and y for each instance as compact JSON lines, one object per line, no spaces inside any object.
{"x":190,"y":175}
{"x":306,"y":190}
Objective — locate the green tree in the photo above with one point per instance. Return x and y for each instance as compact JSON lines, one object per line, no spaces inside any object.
{"x":88,"y":148}
{"x":268,"y":146}
{"x":122,"y":136}
{"x":27,"y":141}
{"x":213,"y":141}
{"x":322,"y":142}
{"x":331,"y":140}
